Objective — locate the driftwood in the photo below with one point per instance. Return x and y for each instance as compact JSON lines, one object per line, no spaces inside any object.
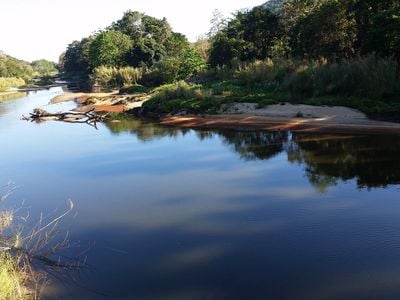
{"x":89,"y":117}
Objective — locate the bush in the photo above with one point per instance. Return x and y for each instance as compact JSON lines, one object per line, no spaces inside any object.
{"x":259,"y":72}
{"x":264,"y":71}
{"x":180,"y":96}
{"x":111,"y":77}
{"x":175,"y":68}
{"x":179,"y":90}
{"x":134,"y":89}
{"x":10,"y":82}
{"x":129,"y":75}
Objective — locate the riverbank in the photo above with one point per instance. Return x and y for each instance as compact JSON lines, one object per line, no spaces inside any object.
{"x":251,"y":122}
{"x":241,"y":116}
{"x":18,"y":92}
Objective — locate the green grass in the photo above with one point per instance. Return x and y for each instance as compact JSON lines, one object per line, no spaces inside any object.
{"x":134,"y":89}
{"x":209,"y":97}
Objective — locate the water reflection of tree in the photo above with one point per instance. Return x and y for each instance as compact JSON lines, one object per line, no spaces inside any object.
{"x":144,"y":131}
{"x":371,"y":160}
{"x":255,"y":145}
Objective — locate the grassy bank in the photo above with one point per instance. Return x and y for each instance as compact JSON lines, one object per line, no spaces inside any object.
{"x":13,"y":278}
{"x":27,"y":254}
{"x":10,"y":82}
{"x":17,"y":280}
{"x":368,"y":84}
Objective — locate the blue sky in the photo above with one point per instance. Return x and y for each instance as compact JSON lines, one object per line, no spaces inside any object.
{"x":33,"y":29}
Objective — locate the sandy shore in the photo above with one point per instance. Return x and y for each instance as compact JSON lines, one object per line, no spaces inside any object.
{"x":249,"y":122}
{"x":299,"y":118}
{"x":246,"y":116}
{"x":65,"y":97}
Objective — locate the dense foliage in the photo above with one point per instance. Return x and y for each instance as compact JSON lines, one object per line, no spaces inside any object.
{"x":12,"y":67}
{"x":326,"y":52}
{"x":43,"y":67}
{"x":137,"y":41}
{"x":311,"y":29}
{"x":16,"y":73}
{"x":10,"y":82}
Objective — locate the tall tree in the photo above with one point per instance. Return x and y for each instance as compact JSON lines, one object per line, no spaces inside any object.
{"x":109,"y":48}
{"x":249,"y":35}
{"x":324,"y":30}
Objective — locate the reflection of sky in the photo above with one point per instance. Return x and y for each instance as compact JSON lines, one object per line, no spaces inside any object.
{"x":184,"y":218}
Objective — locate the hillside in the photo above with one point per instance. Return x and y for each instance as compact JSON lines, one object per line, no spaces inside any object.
{"x":13,"y":67}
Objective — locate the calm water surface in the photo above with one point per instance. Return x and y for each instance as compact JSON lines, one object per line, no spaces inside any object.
{"x":183,"y":214}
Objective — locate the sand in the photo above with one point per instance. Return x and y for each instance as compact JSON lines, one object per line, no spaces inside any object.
{"x":246,"y":116}
{"x":299,"y":118}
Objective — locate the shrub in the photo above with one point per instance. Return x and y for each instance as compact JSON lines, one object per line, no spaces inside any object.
{"x":179,"y":90}
{"x":175,"y":68}
{"x":129,"y":75}
{"x":10,"y":82}
{"x":105,"y":76}
{"x":111,"y":77}
{"x":300,"y":84}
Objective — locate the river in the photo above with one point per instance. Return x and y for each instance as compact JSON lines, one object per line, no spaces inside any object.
{"x":169,"y":213}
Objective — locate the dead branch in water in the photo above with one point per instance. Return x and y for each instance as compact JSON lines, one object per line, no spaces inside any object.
{"x":90,"y":117}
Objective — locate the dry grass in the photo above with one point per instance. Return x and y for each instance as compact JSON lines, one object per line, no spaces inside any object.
{"x":15,"y":277}
{"x":12,"y":275}
{"x":18,"y":279}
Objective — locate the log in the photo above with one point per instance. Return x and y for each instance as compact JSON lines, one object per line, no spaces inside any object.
{"x":90,"y":117}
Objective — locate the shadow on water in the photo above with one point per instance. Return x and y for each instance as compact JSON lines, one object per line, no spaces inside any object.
{"x":371,"y":160}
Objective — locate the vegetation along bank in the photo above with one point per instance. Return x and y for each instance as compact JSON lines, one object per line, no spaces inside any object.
{"x":315,"y":52}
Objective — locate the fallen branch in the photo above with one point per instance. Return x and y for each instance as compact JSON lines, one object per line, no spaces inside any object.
{"x":90,"y":117}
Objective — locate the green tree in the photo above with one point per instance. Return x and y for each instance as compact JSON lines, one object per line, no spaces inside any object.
{"x":12,"y":67}
{"x":383,"y":36}
{"x":139,"y":26}
{"x":327,"y":30}
{"x":109,"y":48}
{"x":75,"y":61}
{"x":191,"y":63}
{"x":202,"y":45}
{"x":249,"y":35}
{"x":44,"y":67}
{"x":180,"y":67}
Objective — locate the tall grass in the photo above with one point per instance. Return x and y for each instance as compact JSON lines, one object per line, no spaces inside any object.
{"x":179,"y":90}
{"x":368,"y":77}
{"x":13,"y":277}
{"x":10,"y":82}
{"x":13,"y":271}
{"x":111,"y":77}
{"x":267,"y":72}
{"x":20,"y":253}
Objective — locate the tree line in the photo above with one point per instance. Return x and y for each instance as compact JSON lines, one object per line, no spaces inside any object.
{"x":137,"y":43}
{"x":331,"y":30}
{"x":15,"y":72}
{"x":310,"y":29}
